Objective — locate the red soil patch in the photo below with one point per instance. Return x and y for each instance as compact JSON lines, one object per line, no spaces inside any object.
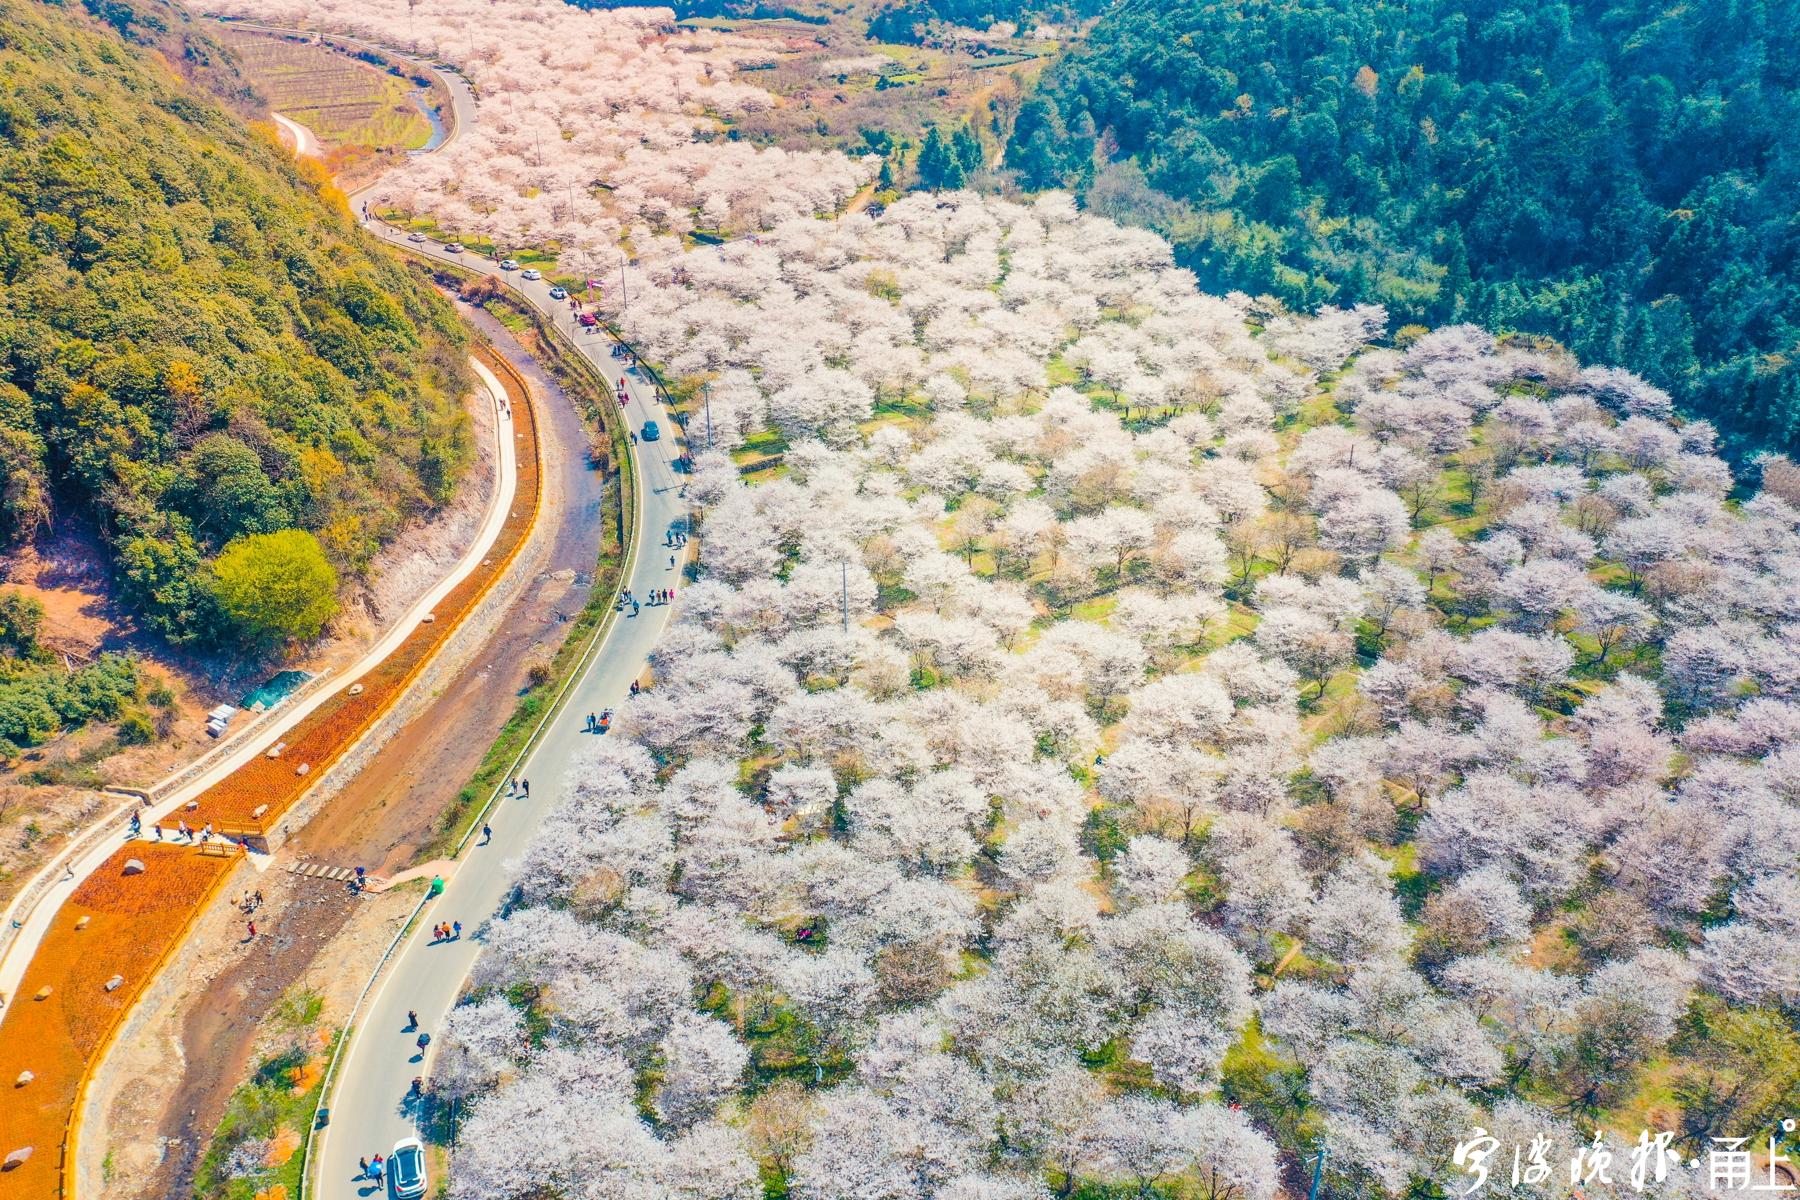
{"x":133,"y":920}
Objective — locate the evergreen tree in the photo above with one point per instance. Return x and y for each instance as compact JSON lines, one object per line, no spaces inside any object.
{"x":967,"y":149}
{"x":939,"y":168}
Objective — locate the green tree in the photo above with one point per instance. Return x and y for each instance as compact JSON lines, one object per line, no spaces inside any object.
{"x":1570,"y":169}
{"x":189,"y":319}
{"x":1040,"y":148}
{"x":21,"y":617}
{"x":967,"y":149}
{"x":225,"y":492}
{"x":939,"y":169}
{"x":160,"y":576}
{"x":26,"y":718}
{"x":275,"y":587}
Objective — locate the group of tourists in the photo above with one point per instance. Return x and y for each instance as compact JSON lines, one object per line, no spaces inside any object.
{"x":657,"y":596}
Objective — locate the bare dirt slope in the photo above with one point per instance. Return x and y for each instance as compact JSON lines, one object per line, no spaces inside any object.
{"x":161,"y":1116}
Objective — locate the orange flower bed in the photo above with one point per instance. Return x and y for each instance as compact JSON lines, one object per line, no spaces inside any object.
{"x":332,"y":728}
{"x":133,"y":921}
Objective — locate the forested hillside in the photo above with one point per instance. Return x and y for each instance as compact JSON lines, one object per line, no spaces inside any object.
{"x":1619,"y":176}
{"x":906,"y":20}
{"x":196,"y":347}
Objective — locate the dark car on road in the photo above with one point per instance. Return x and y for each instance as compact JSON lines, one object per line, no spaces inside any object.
{"x":651,"y":432}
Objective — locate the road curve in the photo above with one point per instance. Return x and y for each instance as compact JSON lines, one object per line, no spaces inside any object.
{"x":306,"y":142}
{"x":462,"y":96}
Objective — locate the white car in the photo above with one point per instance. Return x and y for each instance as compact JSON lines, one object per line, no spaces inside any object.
{"x":416,"y":236}
{"x":453,"y":248}
{"x":532,"y":273}
{"x":406,"y":1169}
{"x":507,"y":264}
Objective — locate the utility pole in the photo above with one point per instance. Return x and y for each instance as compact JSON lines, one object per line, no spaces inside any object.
{"x":624,"y":296}
{"x":1312,"y":1193}
{"x":846,"y":601}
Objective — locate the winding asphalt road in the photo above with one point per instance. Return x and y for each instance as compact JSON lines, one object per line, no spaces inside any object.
{"x":369,"y":1108}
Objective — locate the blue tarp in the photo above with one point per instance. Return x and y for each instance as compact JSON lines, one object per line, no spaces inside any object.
{"x":276,"y":689}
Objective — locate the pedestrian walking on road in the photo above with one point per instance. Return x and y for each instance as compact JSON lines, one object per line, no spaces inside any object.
{"x":252,"y":925}
{"x":412,"y":1020}
{"x":159,"y":833}
{"x":671,"y":562}
{"x":362,"y":1168}
{"x":456,"y":931}
{"x":487,"y":835}
{"x":526,"y":784}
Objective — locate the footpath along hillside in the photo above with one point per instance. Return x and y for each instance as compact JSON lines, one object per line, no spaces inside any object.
{"x":236,"y":804}
{"x":126,"y":925}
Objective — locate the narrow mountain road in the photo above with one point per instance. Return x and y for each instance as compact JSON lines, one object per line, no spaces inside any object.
{"x":306,"y":142}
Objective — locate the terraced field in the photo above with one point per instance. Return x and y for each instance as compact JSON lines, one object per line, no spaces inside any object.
{"x":345,"y":102}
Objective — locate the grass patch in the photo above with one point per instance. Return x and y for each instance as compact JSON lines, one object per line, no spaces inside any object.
{"x":257,"y":1144}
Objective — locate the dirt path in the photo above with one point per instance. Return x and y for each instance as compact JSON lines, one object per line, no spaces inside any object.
{"x":159,"y":1121}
